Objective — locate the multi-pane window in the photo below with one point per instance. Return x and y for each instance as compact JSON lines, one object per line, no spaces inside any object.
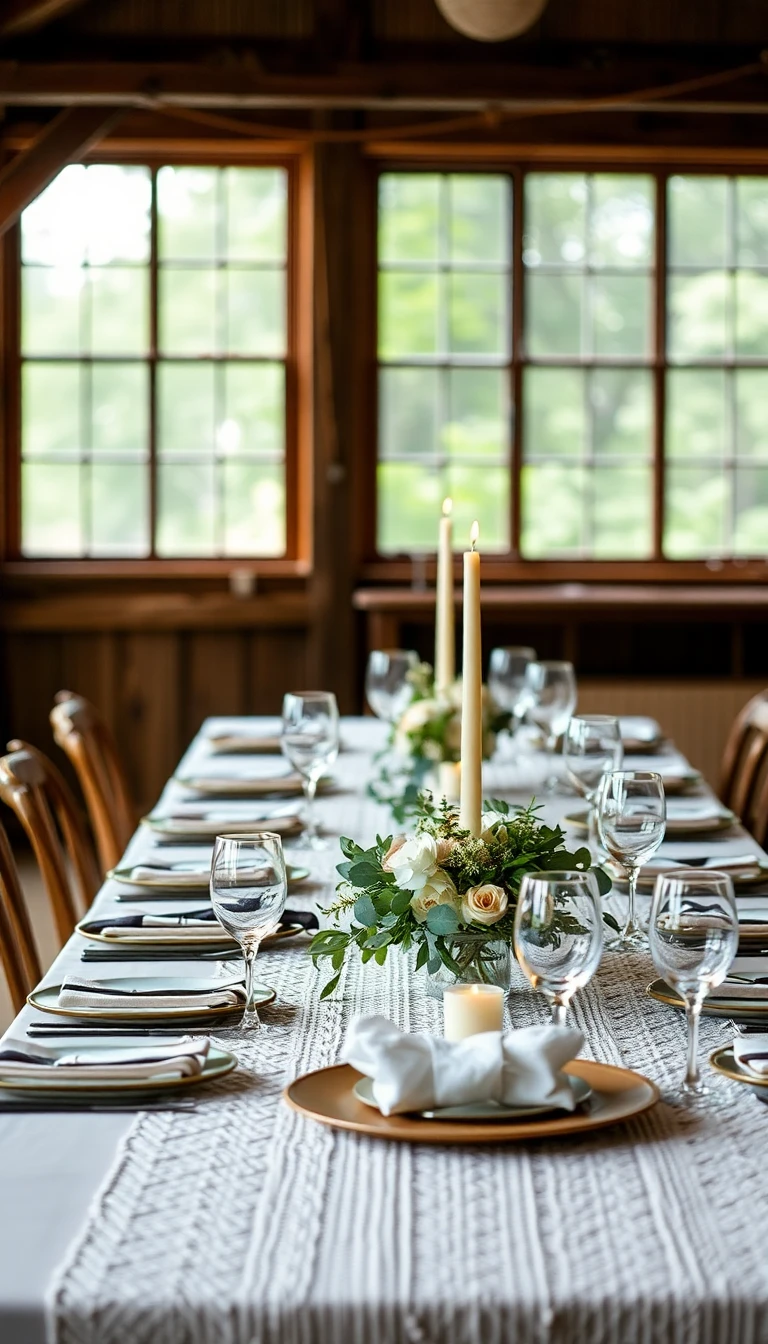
{"x":640,"y":395}
{"x":153,"y":350}
{"x":444,"y":351}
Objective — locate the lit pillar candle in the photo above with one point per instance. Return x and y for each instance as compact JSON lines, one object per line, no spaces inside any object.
{"x":472,"y":695}
{"x":445,"y":656}
{"x":469,"y":1010}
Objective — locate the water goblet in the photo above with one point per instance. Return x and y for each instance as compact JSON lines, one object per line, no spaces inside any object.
{"x":387,"y":688}
{"x":694,"y":935}
{"x":631,"y":819}
{"x":248,"y":890}
{"x":310,"y":741}
{"x":559,"y":934}
{"x":550,"y":688}
{"x":506,"y":680}
{"x":592,"y":748}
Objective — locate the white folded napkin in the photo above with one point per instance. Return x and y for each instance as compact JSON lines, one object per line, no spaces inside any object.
{"x":25,"y":1059}
{"x":740,"y":989}
{"x":233,"y":743}
{"x":417,"y":1072}
{"x":75,"y":993}
{"x":170,"y":877}
{"x":639,"y":728}
{"x":740,"y":866}
{"x":751,"y":1052}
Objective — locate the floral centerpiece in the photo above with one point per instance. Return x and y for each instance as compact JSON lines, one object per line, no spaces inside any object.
{"x":427,"y":734}
{"x":443,"y":892}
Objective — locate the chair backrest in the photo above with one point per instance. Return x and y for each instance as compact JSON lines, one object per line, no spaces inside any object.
{"x":31,"y":785}
{"x":81,"y":732}
{"x":745,"y":762}
{"x":18,"y":953}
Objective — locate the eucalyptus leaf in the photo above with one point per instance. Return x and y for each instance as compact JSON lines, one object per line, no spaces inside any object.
{"x":442,"y":919}
{"x":365,"y":911}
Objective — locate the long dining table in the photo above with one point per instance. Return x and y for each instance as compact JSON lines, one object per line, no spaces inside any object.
{"x":243,"y":1221}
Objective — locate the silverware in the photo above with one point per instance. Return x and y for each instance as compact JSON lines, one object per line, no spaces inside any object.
{"x":41,"y":1029}
{"x":25,"y":1107}
{"x":94,"y":954}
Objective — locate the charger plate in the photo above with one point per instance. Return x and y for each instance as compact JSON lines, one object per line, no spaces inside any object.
{"x":47,"y":1000}
{"x":719,"y":1007}
{"x":204,"y":939}
{"x":198,"y":881}
{"x":723,"y":1061}
{"x":677,"y":826}
{"x":328,"y":1096}
{"x":217,"y":1064}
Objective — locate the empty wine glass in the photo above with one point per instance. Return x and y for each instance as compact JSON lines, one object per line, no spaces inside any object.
{"x":387,"y":688}
{"x":631,"y":819}
{"x":310,"y":741}
{"x":248,"y":888}
{"x":694,"y":934}
{"x":591,"y":749}
{"x":506,"y":680}
{"x":550,"y":688}
{"x":559,"y":934}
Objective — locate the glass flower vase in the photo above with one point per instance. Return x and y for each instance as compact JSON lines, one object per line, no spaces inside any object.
{"x":481,"y":958}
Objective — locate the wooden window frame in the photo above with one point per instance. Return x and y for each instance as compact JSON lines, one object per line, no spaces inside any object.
{"x":296,"y":158}
{"x":515,"y":161}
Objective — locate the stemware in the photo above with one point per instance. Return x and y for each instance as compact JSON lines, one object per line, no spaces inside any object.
{"x":387,"y":688}
{"x":631,"y":819}
{"x":592,"y":748}
{"x":506,"y":680}
{"x":310,"y":741}
{"x":550,"y":688}
{"x":248,"y":890}
{"x":559,"y":934}
{"x":694,"y":934}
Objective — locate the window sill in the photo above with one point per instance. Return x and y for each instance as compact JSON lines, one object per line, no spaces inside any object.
{"x":154,"y":569}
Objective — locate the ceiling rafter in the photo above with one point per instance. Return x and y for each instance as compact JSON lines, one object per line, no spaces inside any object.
{"x":26,"y":16}
{"x":66,"y":138}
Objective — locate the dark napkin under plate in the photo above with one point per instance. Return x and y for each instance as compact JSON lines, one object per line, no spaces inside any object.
{"x":306,"y":918}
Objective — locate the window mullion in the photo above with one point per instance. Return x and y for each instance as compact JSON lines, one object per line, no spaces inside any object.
{"x":153,"y":343}
{"x":659,"y":364}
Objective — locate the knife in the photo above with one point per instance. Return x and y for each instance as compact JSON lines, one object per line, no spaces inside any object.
{"x":171,"y":954}
{"x":26,"y":1107}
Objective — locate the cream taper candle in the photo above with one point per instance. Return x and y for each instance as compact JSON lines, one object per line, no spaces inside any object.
{"x":472,"y":695}
{"x":445,"y":655}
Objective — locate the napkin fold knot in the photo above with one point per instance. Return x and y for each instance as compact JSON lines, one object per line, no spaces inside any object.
{"x":418,"y":1072}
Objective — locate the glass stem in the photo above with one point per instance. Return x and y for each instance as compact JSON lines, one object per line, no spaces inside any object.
{"x":692,"y":1081}
{"x":251,"y":1020}
{"x":631,"y":928}
{"x":310,"y":789}
{"x":594,"y":836}
{"x":558,"y":1012}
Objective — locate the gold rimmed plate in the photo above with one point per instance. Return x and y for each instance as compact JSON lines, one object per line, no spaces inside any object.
{"x":724,"y":1061}
{"x":482,"y":1110}
{"x":199,"y":881}
{"x":719,"y":1007}
{"x":47,"y":1000}
{"x":205,"y":939}
{"x":328,"y":1096}
{"x":217,"y":1064}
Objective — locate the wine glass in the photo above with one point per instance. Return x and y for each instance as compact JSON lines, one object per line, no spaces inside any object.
{"x":592,"y":748}
{"x":559,"y":934}
{"x":387,"y":688}
{"x":310,"y":741}
{"x":506,"y":680}
{"x":694,"y":934}
{"x":248,"y":889}
{"x":631,"y":819}
{"x":550,"y":688}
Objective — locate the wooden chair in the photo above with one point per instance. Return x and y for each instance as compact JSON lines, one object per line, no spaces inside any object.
{"x":31,"y":785}
{"x":744,"y":782}
{"x":18,"y":953}
{"x":81,"y":732}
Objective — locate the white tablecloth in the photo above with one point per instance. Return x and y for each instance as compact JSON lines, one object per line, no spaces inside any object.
{"x":243,"y":1222}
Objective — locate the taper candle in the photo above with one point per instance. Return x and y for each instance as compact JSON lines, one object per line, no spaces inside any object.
{"x":445,"y":655}
{"x":472,"y":695}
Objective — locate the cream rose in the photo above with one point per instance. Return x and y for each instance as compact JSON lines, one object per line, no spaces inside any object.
{"x":414,"y":862}
{"x":493,"y":824}
{"x":484,"y":904}
{"x":437,"y":890}
{"x":444,"y":850}
{"x":396,"y":845}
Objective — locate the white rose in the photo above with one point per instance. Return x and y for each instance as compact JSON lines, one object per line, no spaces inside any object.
{"x":414,"y":862}
{"x":484,"y":904}
{"x":488,"y":821}
{"x":418,"y":715}
{"x":437,"y":890}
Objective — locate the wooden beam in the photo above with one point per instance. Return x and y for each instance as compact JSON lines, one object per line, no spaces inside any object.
{"x":67,"y":137}
{"x":26,"y":16}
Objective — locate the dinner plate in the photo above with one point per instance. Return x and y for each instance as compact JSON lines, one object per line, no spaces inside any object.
{"x":675,"y":825}
{"x":47,"y":1000}
{"x":206,"y":939}
{"x":719,"y":1007}
{"x":277,"y":786}
{"x":199,"y":883}
{"x":724,"y":1061}
{"x":205,"y":828}
{"x":328,"y":1096}
{"x":244,"y":744}
{"x":481,"y":1110}
{"x":217,"y":1064}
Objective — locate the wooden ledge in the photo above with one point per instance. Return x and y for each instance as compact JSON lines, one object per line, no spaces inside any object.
{"x":548,"y":599}
{"x":154,"y":611}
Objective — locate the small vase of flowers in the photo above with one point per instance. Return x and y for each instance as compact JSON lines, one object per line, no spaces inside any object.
{"x":444,"y":894}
